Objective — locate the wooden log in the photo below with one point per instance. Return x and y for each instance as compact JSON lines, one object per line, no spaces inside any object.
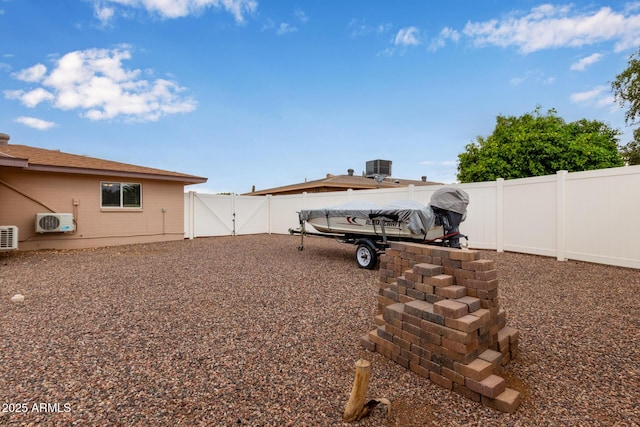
{"x":356,"y":404}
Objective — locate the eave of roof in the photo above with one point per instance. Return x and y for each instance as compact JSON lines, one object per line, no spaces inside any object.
{"x":42,"y":160}
{"x":343,"y":182}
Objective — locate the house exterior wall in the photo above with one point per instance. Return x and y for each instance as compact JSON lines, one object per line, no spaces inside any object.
{"x":40,"y":192}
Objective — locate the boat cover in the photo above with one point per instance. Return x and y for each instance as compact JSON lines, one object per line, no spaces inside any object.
{"x":418,"y":217}
{"x":451,"y":199}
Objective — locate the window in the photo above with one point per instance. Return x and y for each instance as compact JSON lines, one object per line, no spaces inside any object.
{"x":120,"y":195}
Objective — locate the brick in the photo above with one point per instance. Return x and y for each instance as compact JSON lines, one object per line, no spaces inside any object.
{"x":416,"y":294}
{"x":441,"y":380}
{"x":442,"y":360}
{"x":405,"y":282}
{"x":414,"y":320}
{"x":411,"y":329}
{"x":503,"y":341}
{"x":417,"y":308}
{"x":401,"y":342}
{"x":491,"y":356}
{"x":423,"y":287}
{"x":477,"y":370}
{"x":418,"y":369}
{"x":478,"y":265}
{"x":491,"y":294}
{"x":453,"y":292}
{"x":367,"y":344}
{"x":459,"y":273}
{"x":431,"y":365}
{"x":393,"y":330}
{"x":384,"y":334}
{"x":421,"y":351}
{"x":441,"y":252}
{"x":485,"y":285}
{"x":492,"y":386}
{"x":507,"y":401}
{"x":433,"y":298}
{"x":411,"y":357}
{"x":414,"y":277}
{"x":459,"y":347}
{"x":400,"y":360}
{"x":484,"y":315}
{"x":459,"y":336}
{"x":398,"y":246}
{"x":464,"y":255}
{"x":454,"y":356}
{"x":472,"y":303}
{"x":486,"y":275}
{"x":378,"y":320}
{"x":432,"y":327}
{"x":450,"y":309}
{"x":430,"y":316}
{"x":427,"y":270}
{"x":467,"y":323}
{"x":447,"y":262}
{"x":453,"y":375}
{"x":431,"y":338}
{"x":404,"y":298}
{"x":415,"y":248}
{"x":374,"y":337}
{"x":390,"y":294}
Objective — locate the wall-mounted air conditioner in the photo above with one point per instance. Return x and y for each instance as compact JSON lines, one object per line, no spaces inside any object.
{"x":55,"y":222}
{"x":8,"y":237}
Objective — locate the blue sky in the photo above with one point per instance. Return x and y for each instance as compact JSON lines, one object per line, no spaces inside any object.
{"x":270,"y":93}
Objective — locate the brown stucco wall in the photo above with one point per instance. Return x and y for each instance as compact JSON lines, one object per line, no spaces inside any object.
{"x":80,"y":195}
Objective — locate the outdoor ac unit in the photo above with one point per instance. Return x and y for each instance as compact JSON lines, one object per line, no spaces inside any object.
{"x":8,"y":237}
{"x":55,"y":222}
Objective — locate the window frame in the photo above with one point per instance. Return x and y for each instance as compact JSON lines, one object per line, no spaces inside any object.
{"x":121,"y":206}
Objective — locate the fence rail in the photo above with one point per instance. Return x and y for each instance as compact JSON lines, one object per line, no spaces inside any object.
{"x":587,"y":216}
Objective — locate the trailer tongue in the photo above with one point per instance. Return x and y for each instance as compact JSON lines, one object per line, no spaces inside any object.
{"x":371,"y":226}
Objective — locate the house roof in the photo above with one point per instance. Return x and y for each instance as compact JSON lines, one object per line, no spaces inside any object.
{"x":342,"y":182}
{"x":39,"y":159}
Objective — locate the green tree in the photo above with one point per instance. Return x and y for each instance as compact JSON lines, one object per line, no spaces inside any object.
{"x":535,"y":144}
{"x":631,"y":151}
{"x":626,"y":89}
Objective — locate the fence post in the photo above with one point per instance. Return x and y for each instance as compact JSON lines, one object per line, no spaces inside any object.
{"x":500,"y":215}
{"x":191,"y":215}
{"x":561,"y":177}
{"x":269,"y":213}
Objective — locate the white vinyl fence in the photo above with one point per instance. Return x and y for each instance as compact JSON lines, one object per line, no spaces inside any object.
{"x":589,"y":216}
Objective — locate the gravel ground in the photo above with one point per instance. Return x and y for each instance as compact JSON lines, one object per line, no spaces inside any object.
{"x":250,"y":331}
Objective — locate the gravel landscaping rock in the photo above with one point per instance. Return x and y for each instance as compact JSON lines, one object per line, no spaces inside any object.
{"x":249,"y":331}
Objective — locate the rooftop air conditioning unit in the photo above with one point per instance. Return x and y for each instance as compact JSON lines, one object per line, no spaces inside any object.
{"x":55,"y":223}
{"x":8,"y":237}
{"x":378,"y":167}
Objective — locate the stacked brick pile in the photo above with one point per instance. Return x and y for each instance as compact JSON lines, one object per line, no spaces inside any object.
{"x":439,"y":316}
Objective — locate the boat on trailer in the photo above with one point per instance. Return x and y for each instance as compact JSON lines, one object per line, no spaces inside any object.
{"x":371,"y":226}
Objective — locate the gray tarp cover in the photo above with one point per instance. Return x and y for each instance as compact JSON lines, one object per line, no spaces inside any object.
{"x":418,"y":217}
{"x":451,"y":199}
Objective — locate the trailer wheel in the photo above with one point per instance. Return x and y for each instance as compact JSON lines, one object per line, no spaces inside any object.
{"x":366,"y":256}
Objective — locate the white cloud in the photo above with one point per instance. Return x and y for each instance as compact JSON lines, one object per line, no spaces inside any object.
{"x":95,"y":82}
{"x":445,"y":34}
{"x":31,"y":74}
{"x":358,"y":28}
{"x":585,"y":62}
{"x":549,"y":26}
{"x":407,"y":37}
{"x":285,"y":28}
{"x":170,"y":9}
{"x":301,"y":16}
{"x":599,"y":96}
{"x":32,"y":122}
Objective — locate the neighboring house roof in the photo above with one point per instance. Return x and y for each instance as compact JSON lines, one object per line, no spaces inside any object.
{"x":39,"y":159}
{"x":342,"y":183}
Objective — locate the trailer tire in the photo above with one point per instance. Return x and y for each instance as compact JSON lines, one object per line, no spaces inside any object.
{"x":366,"y":256}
